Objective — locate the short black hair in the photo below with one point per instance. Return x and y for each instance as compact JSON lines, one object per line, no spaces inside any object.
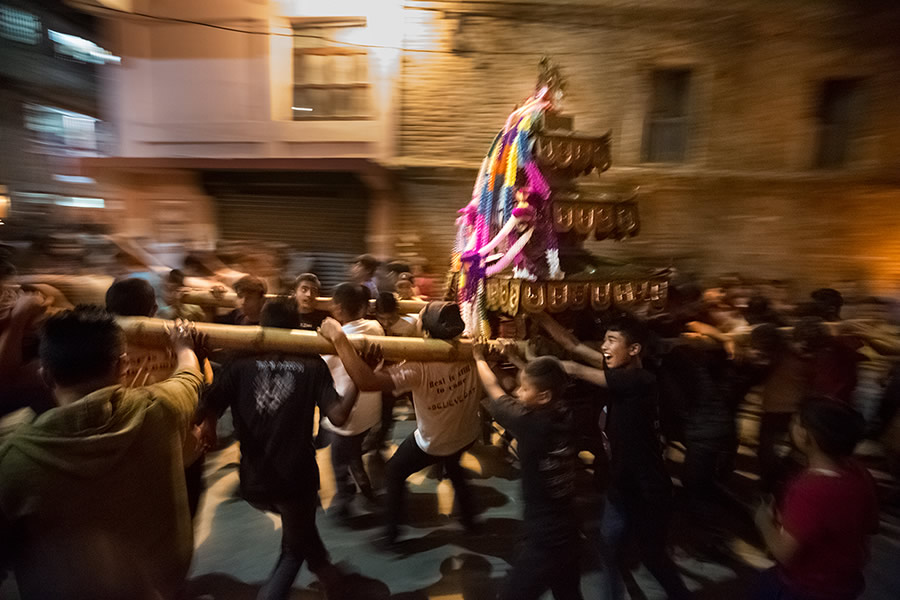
{"x":634,"y":331}
{"x":353,"y":298}
{"x":281,"y":312}
{"x":80,"y":345}
{"x":369,"y":262}
{"x":386,"y":303}
{"x":132,"y":297}
{"x":308,"y":278}
{"x":758,"y":310}
{"x":835,"y":426}
{"x":398,"y":267}
{"x":828,"y":297}
{"x":248,"y":285}
{"x":828,"y":302}
{"x":175,"y":277}
{"x":547,"y":374}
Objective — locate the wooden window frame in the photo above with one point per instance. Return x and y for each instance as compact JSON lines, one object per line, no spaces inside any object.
{"x":652,"y":118}
{"x":332,"y":51}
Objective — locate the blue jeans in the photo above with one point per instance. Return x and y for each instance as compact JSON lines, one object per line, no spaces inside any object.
{"x":647,"y":519}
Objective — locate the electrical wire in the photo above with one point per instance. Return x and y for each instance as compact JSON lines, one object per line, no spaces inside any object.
{"x":176,"y":20}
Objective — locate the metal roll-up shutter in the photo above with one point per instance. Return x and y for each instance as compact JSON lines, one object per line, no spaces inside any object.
{"x":322,"y":216}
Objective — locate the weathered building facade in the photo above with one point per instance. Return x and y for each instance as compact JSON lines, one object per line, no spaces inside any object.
{"x":764,"y":137}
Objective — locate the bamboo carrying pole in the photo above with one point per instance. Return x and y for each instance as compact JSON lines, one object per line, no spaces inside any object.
{"x":229,"y":300}
{"x":152,"y":332}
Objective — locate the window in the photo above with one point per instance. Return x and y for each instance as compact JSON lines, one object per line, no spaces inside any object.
{"x":51,"y":199}
{"x":75,"y":48}
{"x":58,"y":132}
{"x":331,"y":80}
{"x":838,"y":117}
{"x":19,"y":26}
{"x":666,"y":126}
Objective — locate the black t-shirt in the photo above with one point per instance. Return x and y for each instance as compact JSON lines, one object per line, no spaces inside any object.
{"x":547,"y":455}
{"x":311,"y":320}
{"x":234,"y":317}
{"x":272,"y":400}
{"x":636,"y":460}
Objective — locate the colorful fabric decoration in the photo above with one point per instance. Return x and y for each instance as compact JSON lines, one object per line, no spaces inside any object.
{"x":510,"y":209}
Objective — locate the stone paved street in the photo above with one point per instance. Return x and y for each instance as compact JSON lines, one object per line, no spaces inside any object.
{"x":238,"y":545}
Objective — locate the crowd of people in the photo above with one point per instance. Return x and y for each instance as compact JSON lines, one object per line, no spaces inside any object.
{"x":99,"y":488}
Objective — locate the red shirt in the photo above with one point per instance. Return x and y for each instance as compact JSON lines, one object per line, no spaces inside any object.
{"x":834,"y":368}
{"x":831,"y":515}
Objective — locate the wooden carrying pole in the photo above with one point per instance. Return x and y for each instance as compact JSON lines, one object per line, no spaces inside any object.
{"x":229,"y":300}
{"x":152,"y":332}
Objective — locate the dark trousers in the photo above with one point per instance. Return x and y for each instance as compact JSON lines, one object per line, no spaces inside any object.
{"x":648,"y":520}
{"x":702,"y":465}
{"x":409,"y":459}
{"x":299,"y":541}
{"x":540,"y":567}
{"x":347,"y":462}
{"x":771,"y":587}
{"x":380,"y":435}
{"x":773,"y":468}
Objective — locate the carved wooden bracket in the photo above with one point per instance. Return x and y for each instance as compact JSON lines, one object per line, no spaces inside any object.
{"x":603,"y":220}
{"x":571,"y":154}
{"x":511,"y":296}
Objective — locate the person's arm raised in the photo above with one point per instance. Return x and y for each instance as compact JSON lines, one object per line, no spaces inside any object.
{"x":567,"y":340}
{"x":491,"y":386}
{"x":512,"y":354}
{"x":714,"y":333}
{"x":586,"y":373}
{"x":361,"y":373}
{"x":183,"y":338}
{"x":880,"y":341}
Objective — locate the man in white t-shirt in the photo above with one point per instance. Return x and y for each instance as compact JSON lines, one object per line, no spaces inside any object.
{"x":446,"y":397}
{"x":388,"y":314}
{"x":394,"y":324}
{"x":350,"y":302}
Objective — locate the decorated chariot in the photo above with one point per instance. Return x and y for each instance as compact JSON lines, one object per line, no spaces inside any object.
{"x":520,"y":240}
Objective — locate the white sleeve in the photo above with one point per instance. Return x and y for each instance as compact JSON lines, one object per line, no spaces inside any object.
{"x":407,"y":376}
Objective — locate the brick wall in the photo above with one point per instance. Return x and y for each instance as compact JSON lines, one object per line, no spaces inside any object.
{"x":746,"y":200}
